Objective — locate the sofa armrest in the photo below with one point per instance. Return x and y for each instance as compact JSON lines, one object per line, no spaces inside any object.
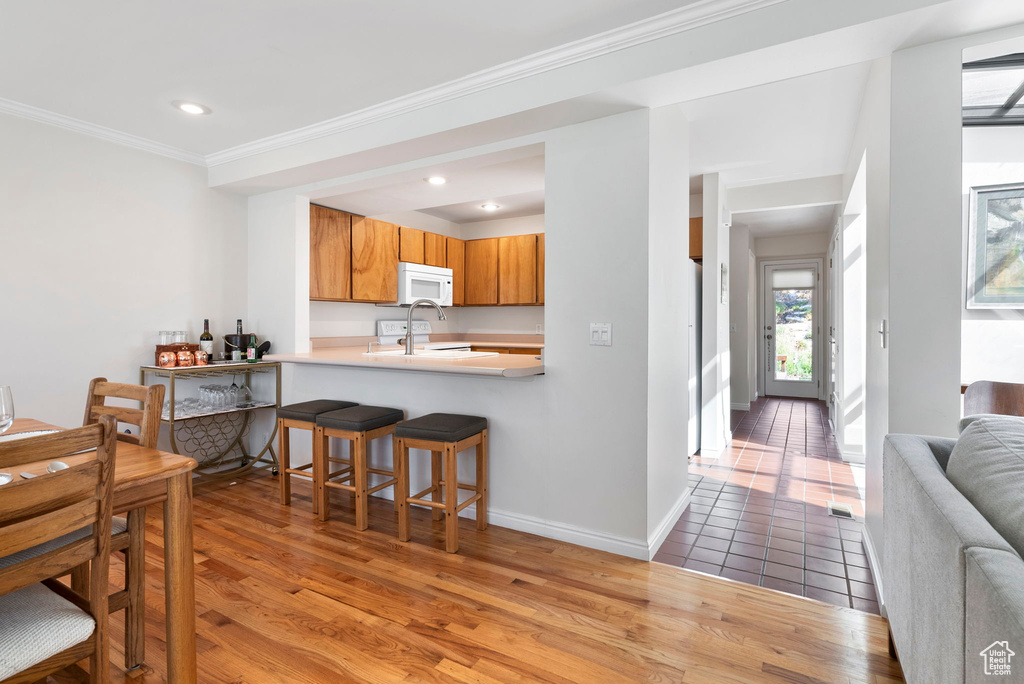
{"x":995,"y":611}
{"x":928,"y":527}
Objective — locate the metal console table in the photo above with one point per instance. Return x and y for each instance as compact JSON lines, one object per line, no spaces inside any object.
{"x":215,"y":437}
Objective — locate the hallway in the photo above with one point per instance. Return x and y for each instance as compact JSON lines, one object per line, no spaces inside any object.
{"x":758,"y":513}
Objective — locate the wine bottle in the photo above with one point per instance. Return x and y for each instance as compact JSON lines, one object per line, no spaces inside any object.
{"x":238,"y":327}
{"x":250,"y":351}
{"x":206,"y":339}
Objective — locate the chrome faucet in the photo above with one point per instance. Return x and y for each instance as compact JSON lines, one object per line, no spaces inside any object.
{"x":408,"y":324}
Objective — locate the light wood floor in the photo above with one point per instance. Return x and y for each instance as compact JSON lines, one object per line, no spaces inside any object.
{"x":282,"y":598}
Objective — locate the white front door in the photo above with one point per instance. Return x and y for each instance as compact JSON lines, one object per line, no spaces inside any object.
{"x":791,"y":327}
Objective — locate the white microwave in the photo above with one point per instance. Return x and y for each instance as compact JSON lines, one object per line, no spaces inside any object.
{"x":416,"y":281}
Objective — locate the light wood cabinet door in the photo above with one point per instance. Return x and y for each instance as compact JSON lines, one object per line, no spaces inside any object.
{"x":330,"y":253}
{"x":697,"y":239}
{"x":411,"y":245}
{"x":540,"y":268}
{"x":456,"y":249}
{"x":434,"y":250}
{"x":517,"y":269}
{"x":482,"y":272}
{"x":374,"y":260}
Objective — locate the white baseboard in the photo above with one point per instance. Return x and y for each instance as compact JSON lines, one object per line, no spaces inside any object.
{"x":875,"y":569}
{"x":852,"y":456}
{"x":593,"y":539}
{"x":665,"y":526}
{"x":740,"y":406}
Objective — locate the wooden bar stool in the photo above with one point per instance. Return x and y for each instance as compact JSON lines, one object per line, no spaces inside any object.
{"x":445,"y":434}
{"x":301,"y":416}
{"x":360,"y":425}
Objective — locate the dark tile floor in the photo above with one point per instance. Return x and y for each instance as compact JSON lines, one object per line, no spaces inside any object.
{"x":758,"y":513}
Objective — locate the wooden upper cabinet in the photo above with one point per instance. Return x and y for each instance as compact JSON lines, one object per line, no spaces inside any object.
{"x":517,"y":275}
{"x":697,"y":239}
{"x":434,"y":250}
{"x":330,"y":253}
{"x":456,"y":259}
{"x":411,"y":241}
{"x":540,"y":268}
{"x":482,"y":272}
{"x":374,"y":260}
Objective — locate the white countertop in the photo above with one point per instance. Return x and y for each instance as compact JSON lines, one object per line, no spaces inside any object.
{"x":499,"y":365}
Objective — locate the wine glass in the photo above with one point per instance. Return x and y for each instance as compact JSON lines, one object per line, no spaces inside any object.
{"x":6,"y":408}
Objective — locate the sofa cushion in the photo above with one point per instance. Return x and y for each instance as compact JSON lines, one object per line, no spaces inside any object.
{"x":987,"y":467}
{"x":967,"y":420}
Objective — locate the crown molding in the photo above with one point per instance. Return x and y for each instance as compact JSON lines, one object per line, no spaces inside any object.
{"x":25,"y":111}
{"x":686,"y":18}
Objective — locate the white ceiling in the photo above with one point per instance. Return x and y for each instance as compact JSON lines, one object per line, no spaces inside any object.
{"x":785,"y":221}
{"x":516,"y":185}
{"x":265,"y":66}
{"x":509,"y":206}
{"x":798,"y":128}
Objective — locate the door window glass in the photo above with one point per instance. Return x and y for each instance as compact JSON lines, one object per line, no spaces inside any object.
{"x":794,"y":329}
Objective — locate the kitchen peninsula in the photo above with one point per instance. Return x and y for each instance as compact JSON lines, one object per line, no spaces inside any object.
{"x":425,"y":360}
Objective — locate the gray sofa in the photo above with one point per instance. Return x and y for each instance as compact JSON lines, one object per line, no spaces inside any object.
{"x":954,"y":585}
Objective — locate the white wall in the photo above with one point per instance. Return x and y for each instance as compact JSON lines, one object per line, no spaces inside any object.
{"x":518,"y":225}
{"x":715,"y":354}
{"x":104,"y":246}
{"x":569,"y":456}
{"x":668,"y":342}
{"x":925,"y":240}
{"x":992,"y":340}
{"x":871,"y":144}
{"x":784,"y":246}
{"x":740,"y":309}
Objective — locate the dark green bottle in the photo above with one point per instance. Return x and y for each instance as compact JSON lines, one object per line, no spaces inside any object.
{"x":250,"y":351}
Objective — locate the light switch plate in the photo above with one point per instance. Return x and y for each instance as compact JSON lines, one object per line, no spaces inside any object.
{"x":600,"y":334}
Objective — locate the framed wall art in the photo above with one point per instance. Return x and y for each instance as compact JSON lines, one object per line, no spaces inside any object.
{"x":995,"y":252}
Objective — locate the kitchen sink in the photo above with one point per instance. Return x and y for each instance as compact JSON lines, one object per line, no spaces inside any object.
{"x":435,"y":353}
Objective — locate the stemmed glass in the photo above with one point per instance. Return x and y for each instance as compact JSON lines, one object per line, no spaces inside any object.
{"x":6,"y":408}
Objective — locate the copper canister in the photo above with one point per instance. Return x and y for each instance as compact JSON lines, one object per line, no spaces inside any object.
{"x":186,"y":358}
{"x":167,"y":359}
{"x":202,"y":358}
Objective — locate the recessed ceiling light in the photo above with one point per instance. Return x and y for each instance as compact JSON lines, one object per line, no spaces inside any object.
{"x":490,"y":207}
{"x":191,"y":107}
{"x":437,"y":180}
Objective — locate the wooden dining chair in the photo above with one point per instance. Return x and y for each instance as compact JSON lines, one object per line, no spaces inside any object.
{"x":1003,"y":398}
{"x":132,"y":540}
{"x":48,"y":525}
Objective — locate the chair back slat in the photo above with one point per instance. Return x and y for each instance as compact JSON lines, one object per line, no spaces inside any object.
{"x":1003,"y":398}
{"x":121,"y":390}
{"x":146,"y":416}
{"x":48,"y":447}
{"x":50,"y":564}
{"x":40,"y":529}
{"x":76,"y":484}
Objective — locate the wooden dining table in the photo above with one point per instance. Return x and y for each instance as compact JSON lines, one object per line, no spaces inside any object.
{"x":144,"y":476}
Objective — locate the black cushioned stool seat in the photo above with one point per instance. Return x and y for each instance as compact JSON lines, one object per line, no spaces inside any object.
{"x":307,"y":411}
{"x":442,"y":427}
{"x":301,"y":416}
{"x":444,"y":435}
{"x":360,"y":418}
{"x":360,"y":425}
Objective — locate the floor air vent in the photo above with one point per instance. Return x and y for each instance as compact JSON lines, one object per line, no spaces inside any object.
{"x":839,"y":510}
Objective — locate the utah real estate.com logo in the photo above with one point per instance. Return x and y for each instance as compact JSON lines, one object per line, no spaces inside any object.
{"x":997,"y":658}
